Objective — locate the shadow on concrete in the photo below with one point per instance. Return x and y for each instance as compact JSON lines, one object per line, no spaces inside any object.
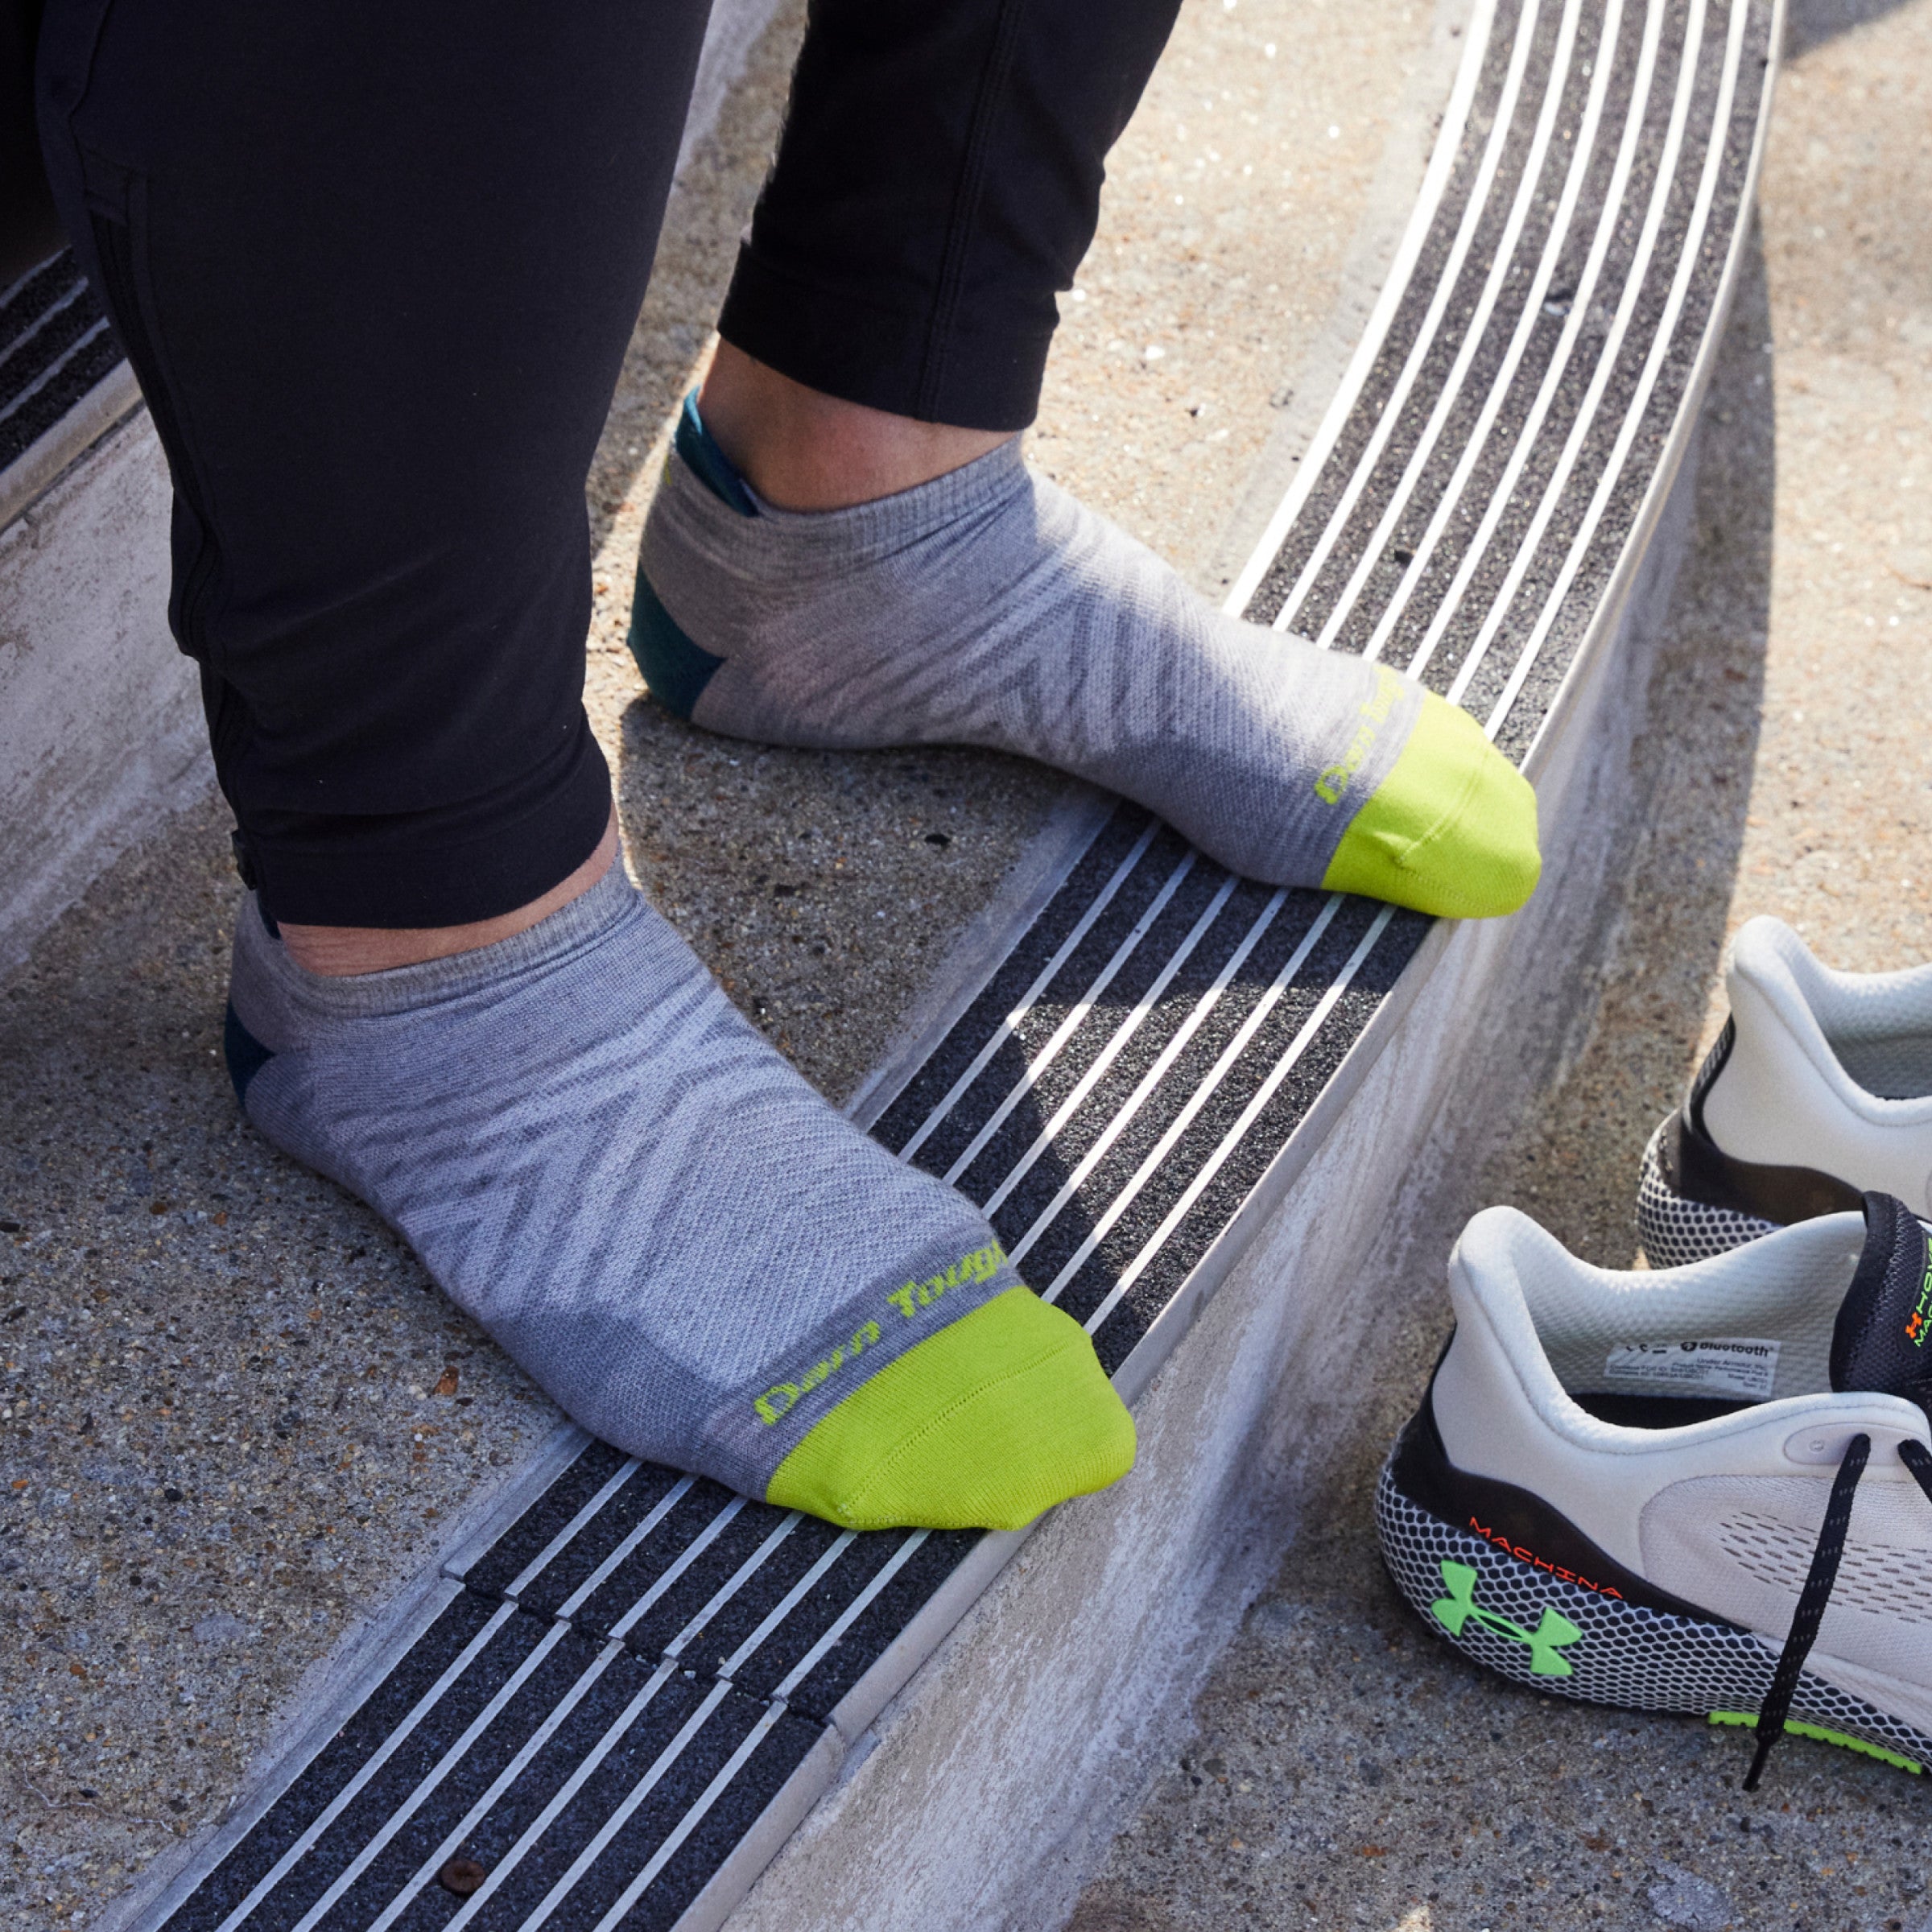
{"x":1810,"y":23}
{"x":1638,"y":1032}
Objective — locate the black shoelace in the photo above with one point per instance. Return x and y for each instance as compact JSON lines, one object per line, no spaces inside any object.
{"x":1817,"y":1592}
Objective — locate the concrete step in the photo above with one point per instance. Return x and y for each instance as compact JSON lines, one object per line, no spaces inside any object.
{"x":102,"y":713}
{"x":1188,"y":1104}
{"x":55,"y":348}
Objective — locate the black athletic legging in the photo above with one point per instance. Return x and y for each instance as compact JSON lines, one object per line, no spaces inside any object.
{"x":376,"y":265}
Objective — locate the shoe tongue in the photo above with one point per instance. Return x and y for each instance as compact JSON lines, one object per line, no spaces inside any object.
{"x":1882,"y":1342}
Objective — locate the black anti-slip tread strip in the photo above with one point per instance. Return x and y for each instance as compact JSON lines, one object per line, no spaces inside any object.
{"x":681,"y":1520}
{"x":55,"y":347}
{"x":32,"y":298}
{"x":962,"y":1044}
{"x":528,"y":1539}
{"x":918,"y":1564}
{"x":541,"y":1741}
{"x":1139,"y":1060}
{"x":303,"y":1807}
{"x":1127,"y":1061}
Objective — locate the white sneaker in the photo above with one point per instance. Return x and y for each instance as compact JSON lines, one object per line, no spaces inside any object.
{"x":1819,"y":1088}
{"x":1644,"y":1489}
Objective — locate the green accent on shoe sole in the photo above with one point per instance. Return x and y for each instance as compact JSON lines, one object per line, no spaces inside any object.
{"x":676,"y":669}
{"x":1451,"y":830}
{"x":1798,"y":1729}
{"x":1553,"y":1630}
{"x":984,"y":1426}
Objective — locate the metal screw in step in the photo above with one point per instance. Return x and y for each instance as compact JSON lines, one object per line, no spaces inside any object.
{"x":461,"y":1876}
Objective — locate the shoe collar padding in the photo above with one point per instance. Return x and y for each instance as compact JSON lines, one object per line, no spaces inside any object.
{"x":1867,"y":1036}
{"x":1522,"y":1298}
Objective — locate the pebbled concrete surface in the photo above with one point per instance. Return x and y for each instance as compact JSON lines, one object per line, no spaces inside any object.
{"x":232,"y":1412}
{"x":1345,"y":1769}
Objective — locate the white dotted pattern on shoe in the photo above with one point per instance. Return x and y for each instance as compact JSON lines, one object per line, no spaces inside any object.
{"x":1874,"y":1577}
{"x":1676,"y":1231}
{"x":1623,"y":1654}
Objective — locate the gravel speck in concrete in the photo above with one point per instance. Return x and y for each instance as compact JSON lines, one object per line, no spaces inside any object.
{"x":1681,"y":1898}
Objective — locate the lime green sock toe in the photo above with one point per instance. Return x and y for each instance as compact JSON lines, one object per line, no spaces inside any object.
{"x":1451,"y":830}
{"x":982,"y":1427}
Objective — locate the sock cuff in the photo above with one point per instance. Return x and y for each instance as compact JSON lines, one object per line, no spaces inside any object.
{"x":301,"y":994}
{"x":985,"y":483}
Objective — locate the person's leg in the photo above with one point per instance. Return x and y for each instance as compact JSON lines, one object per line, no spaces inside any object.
{"x":801,"y":448}
{"x":847,"y":550}
{"x":375,"y":267}
{"x":938,"y":182}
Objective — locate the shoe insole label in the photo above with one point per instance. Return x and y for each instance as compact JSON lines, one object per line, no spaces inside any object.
{"x":1717,"y":1365}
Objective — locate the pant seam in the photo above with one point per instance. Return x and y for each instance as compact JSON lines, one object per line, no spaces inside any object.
{"x":966,"y":203}
{"x":73,"y":110}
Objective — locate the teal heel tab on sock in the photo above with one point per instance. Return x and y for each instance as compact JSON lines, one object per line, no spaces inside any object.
{"x":676,"y":669}
{"x":675,"y":666}
{"x":707,"y":463}
{"x":245,"y":1055}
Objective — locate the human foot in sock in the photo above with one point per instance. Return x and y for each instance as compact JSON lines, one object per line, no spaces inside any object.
{"x":987,"y":607}
{"x":602,"y":1161}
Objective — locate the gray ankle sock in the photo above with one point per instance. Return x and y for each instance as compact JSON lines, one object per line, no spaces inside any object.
{"x":602,"y":1161}
{"x":990,"y":608}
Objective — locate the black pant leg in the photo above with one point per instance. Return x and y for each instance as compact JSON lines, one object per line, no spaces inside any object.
{"x":376,"y":265}
{"x":938,"y":181}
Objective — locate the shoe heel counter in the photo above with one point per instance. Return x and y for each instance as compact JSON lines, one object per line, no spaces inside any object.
{"x":1763,"y":1092}
{"x":1494,"y":1379}
{"x":1471,"y":1398}
{"x":1707,"y":1074}
{"x":1515,"y":1521}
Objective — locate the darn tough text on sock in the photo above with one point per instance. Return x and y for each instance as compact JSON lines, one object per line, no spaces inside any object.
{"x":909,"y":1303}
{"x":1333,"y":782}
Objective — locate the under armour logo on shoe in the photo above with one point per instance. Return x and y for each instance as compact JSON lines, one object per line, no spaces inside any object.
{"x":1545,"y":1641}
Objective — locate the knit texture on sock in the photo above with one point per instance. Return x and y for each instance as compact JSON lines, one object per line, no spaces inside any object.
{"x":602,"y":1161}
{"x":990,"y":608}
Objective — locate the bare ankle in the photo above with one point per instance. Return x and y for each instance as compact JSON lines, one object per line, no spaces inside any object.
{"x":336,"y":952}
{"x":802,"y":449}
